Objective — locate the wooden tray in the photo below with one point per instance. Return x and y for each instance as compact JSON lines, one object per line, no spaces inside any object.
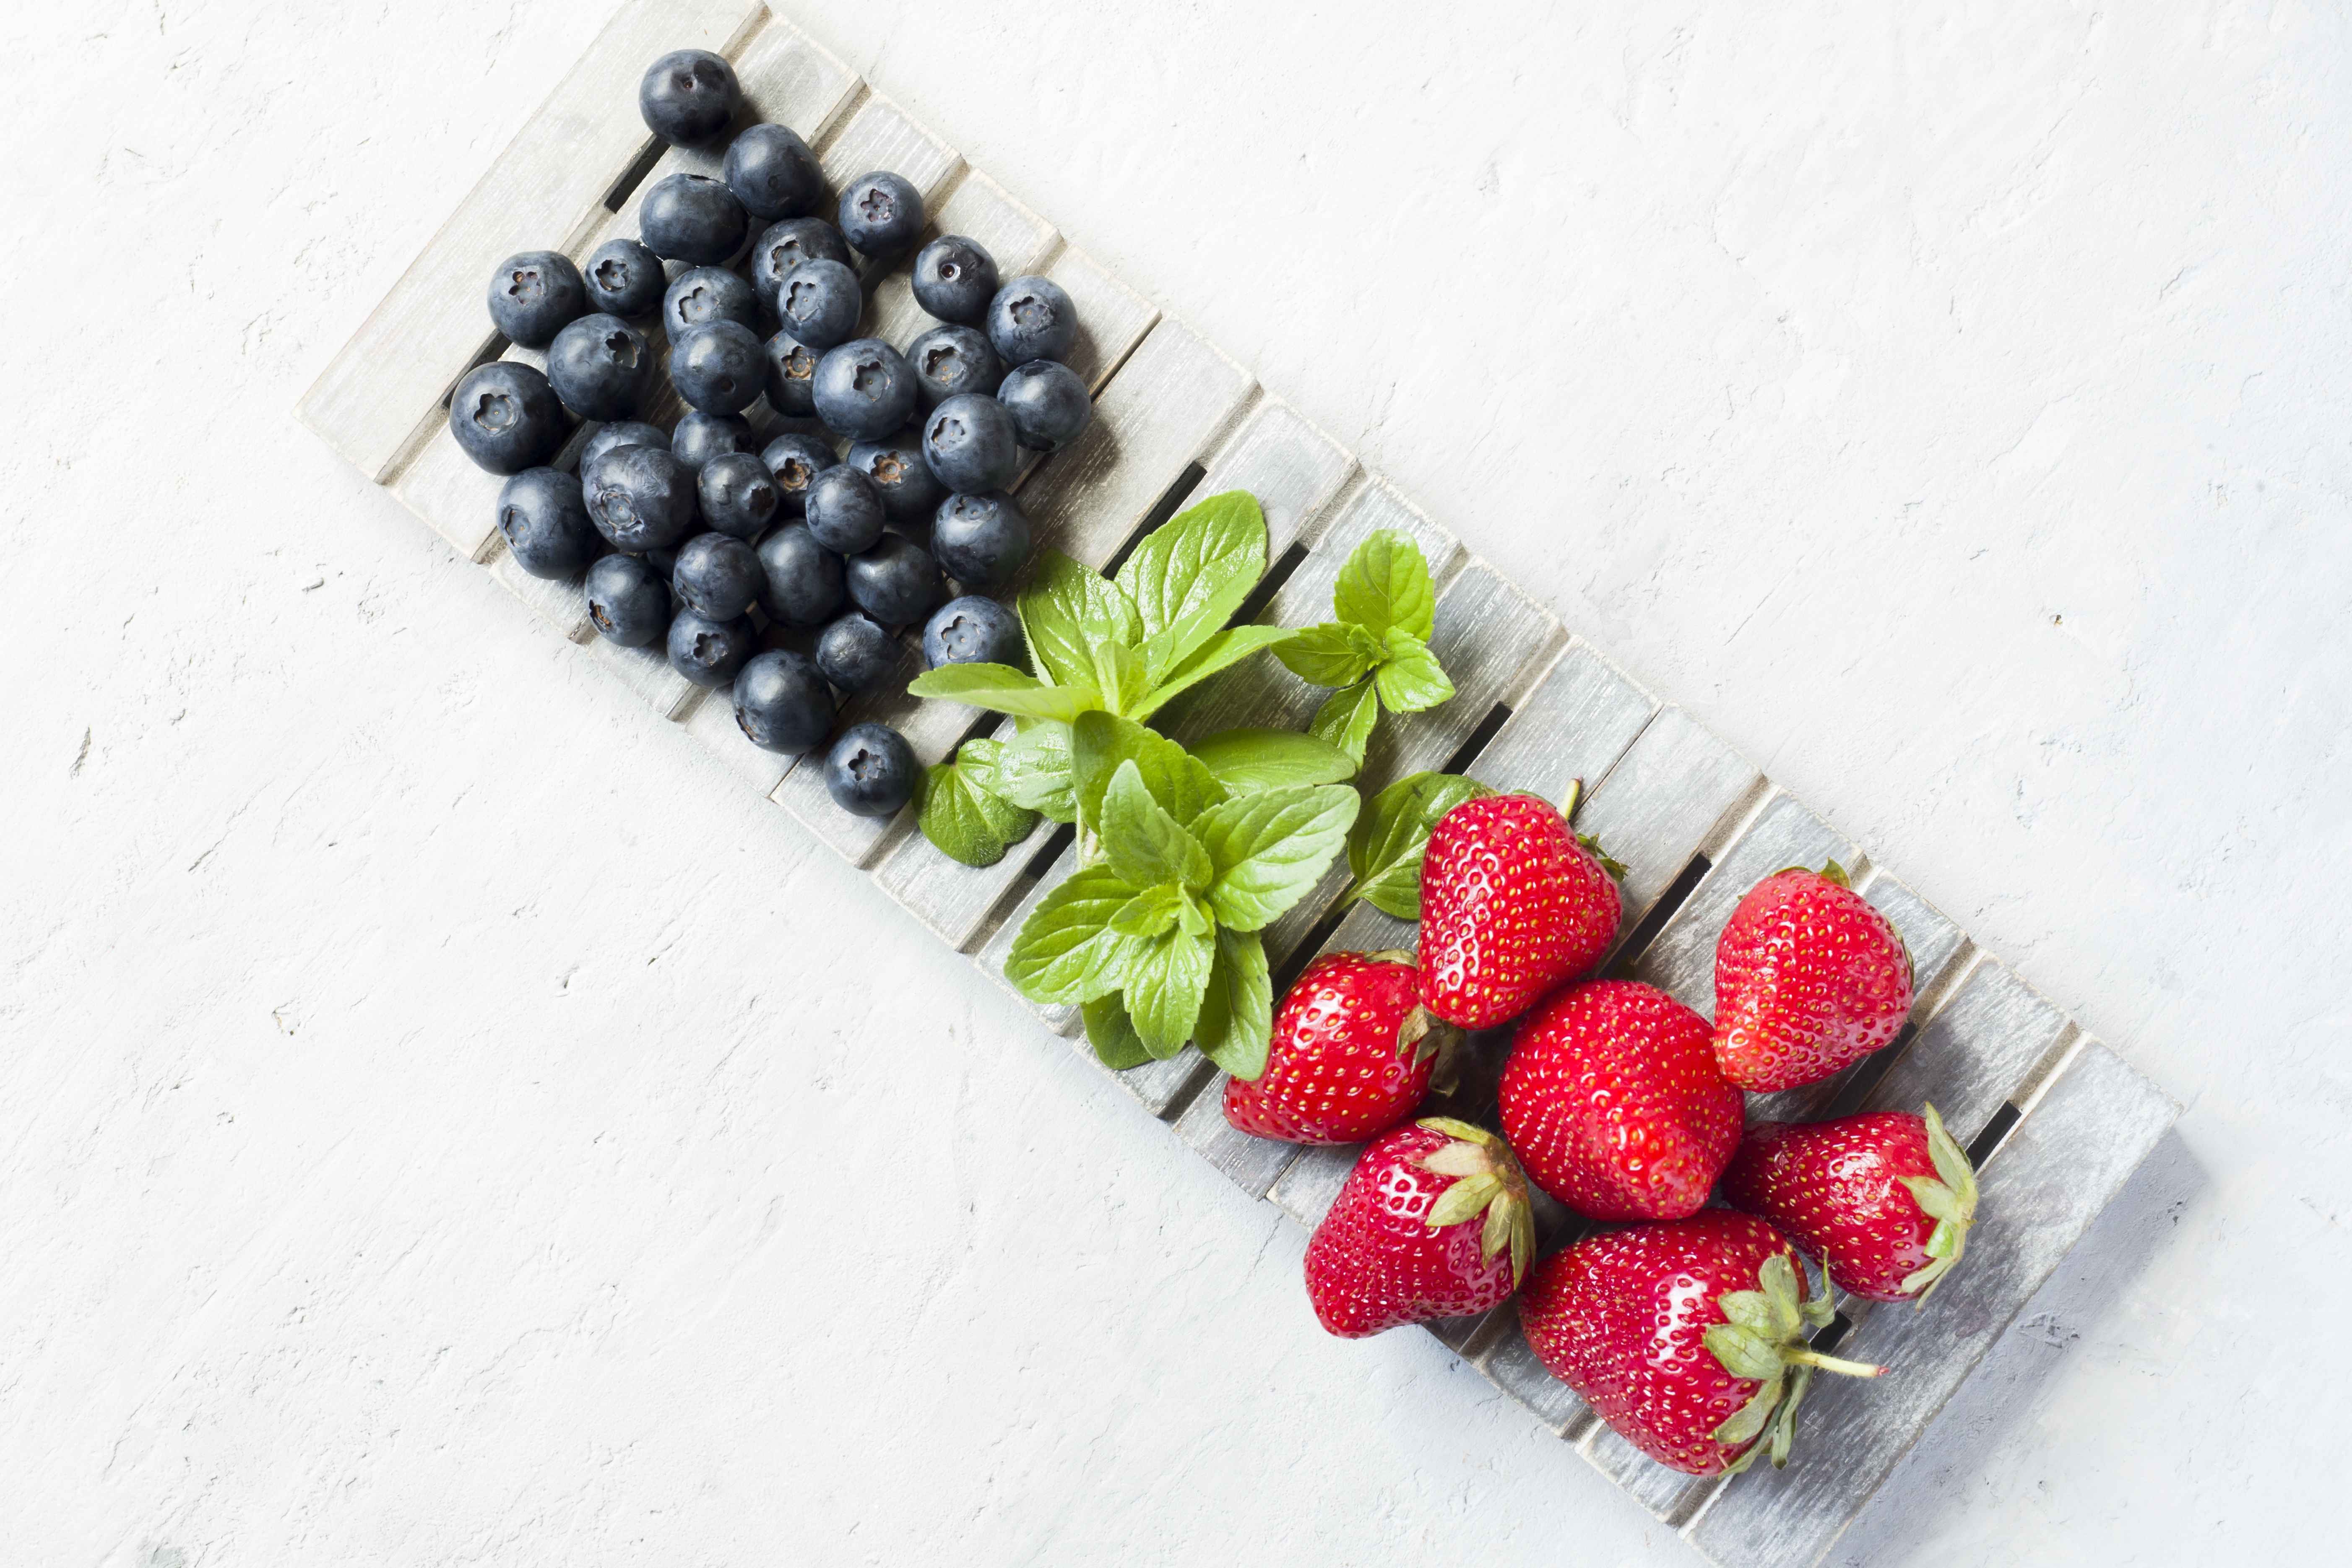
{"x":2054,"y":1118}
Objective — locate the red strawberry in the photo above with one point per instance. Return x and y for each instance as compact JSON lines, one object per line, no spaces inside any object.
{"x":1808,"y":978}
{"x":1884,"y":1199}
{"x":1422,"y":1231}
{"x":1612,"y":1099}
{"x":1512,"y":903}
{"x":1686,"y":1338}
{"x":1351,"y":1055}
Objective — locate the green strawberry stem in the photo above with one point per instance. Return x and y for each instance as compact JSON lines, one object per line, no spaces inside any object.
{"x":1487,"y":1180}
{"x":1762,"y":1338}
{"x":1951,"y":1202}
{"x":1573,"y":799}
{"x":1831,"y":1363}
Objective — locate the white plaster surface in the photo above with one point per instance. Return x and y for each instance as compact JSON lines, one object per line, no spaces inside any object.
{"x":444,"y":1120}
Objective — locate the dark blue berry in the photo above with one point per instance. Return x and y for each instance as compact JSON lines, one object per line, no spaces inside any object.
{"x":895,"y":464}
{"x":955,"y":278}
{"x":693,"y":219}
{"x":871,"y":770}
{"x":881,"y":214}
{"x":950,"y":360}
{"x":717,"y":575}
{"x":796,"y":461}
{"x":772,"y":173}
{"x":972,"y":630}
{"x":629,"y":601}
{"x":785,"y":246}
{"x":719,"y":367}
{"x":688,"y":96}
{"x":844,"y":511}
{"x":896,"y":582}
{"x":856,"y":654}
{"x":532,"y":296}
{"x":1049,"y":403}
{"x":623,"y":279}
{"x":1031,"y":318}
{"x":545,"y":523}
{"x":600,"y":366}
{"x":640,"y":497}
{"x":805,"y":578}
{"x":979,"y":541}
{"x":709,"y":652}
{"x":701,"y":437}
{"x":506,"y":417}
{"x":792,"y":371}
{"x":738,"y":495}
{"x":863,"y":389}
{"x":624,"y":433}
{"x":819,"y":303}
{"x":701,"y":294}
{"x":781,"y":702}
{"x":970,"y":443}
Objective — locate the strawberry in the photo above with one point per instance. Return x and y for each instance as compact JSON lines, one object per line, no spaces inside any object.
{"x":1421,"y":1231}
{"x":1808,"y":978}
{"x":1613,"y":1101}
{"x":1687,"y":1337}
{"x":1512,"y":903}
{"x":1884,"y":1199}
{"x":1351,"y":1055}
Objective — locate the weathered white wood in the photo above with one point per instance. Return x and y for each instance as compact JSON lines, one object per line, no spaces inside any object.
{"x":932,"y":728}
{"x":1294,"y":470}
{"x":977,"y":208}
{"x":1674,"y":789}
{"x":1511,"y":1366}
{"x":2063,"y":1164}
{"x":560,"y":602}
{"x":646,"y":672}
{"x":1306,"y":1188}
{"x":380,"y":390}
{"x":1669,"y":1495}
{"x":1112,"y":317}
{"x":712,"y":722}
{"x":1574,"y":723}
{"x":1984,"y":1047}
{"x":879,"y":135}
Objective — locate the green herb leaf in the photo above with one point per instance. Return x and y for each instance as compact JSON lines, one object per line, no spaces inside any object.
{"x":1066,"y":951}
{"x":1143,"y":843}
{"x":1411,"y":680}
{"x":1034,"y":770}
{"x":1112,"y":1034}
{"x":1068,"y":610}
{"x":1002,"y":689}
{"x":1336,"y":653}
{"x":1191,"y":574}
{"x":1222,"y":651}
{"x":1385,"y":846}
{"x":1346,"y":719}
{"x":1166,"y":977}
{"x":1386,"y":586}
{"x":1150,"y":911}
{"x":965,"y":816}
{"x":1247,"y":760}
{"x":1269,"y":848}
{"x":1101,"y":741}
{"x":1236,"y":1022}
{"x":1119,"y":676}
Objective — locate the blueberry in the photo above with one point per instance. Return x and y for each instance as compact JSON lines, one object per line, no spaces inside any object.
{"x":688,"y":96}
{"x":781,"y":702}
{"x":955,"y":278}
{"x":895,"y":464}
{"x":871,"y":770}
{"x":856,"y":654}
{"x":896,"y":582}
{"x":844,"y":511}
{"x":1031,"y":318}
{"x":719,"y":367}
{"x":506,"y":417}
{"x":792,"y":371}
{"x":738,"y":495}
{"x":600,"y":366}
{"x":533,"y":294}
{"x":693,"y":219}
{"x":663,"y":561}
{"x":796,"y":461}
{"x":717,"y":576}
{"x":702,"y":294}
{"x":981,"y":540}
{"x":623,"y":279}
{"x":785,"y":246}
{"x":805,"y":578}
{"x":1049,"y":403}
{"x":863,"y":389}
{"x":626,"y":433}
{"x":948,"y":360}
{"x":972,"y":630}
{"x":969,"y":445}
{"x":701,"y":437}
{"x":629,"y":601}
{"x":640,"y":497}
{"x":881,"y":214}
{"x":772,"y":173}
{"x":709,"y":652}
{"x":545,"y":523}
{"x":819,"y":302}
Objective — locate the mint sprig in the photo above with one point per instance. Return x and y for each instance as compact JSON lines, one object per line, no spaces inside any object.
{"x":1375,"y":650}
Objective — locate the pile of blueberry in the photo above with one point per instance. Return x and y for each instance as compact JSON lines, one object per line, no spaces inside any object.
{"x":788,"y":568}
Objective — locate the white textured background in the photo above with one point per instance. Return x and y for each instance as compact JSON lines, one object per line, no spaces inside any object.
{"x":442,"y":1119}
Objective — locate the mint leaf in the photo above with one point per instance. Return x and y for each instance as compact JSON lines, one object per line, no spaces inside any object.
{"x":1236,"y":1021}
{"x":1411,"y":680}
{"x":1068,"y":609}
{"x":1002,"y":689}
{"x":1119,"y":676}
{"x":1385,"y":846}
{"x":1271,"y":847}
{"x":1346,"y":719}
{"x":1222,"y":651}
{"x":1386,"y":586}
{"x":1333,"y":654}
{"x":1034,"y":770}
{"x":1246,"y":760}
{"x":1150,"y":911}
{"x":1191,"y":574}
{"x":1112,"y":1034}
{"x":1101,"y":741}
{"x":1145,"y":844}
{"x":1166,"y":977}
{"x":962,"y":812}
{"x":1066,"y":951}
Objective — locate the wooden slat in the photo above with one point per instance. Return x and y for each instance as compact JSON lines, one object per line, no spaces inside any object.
{"x":646,"y":672}
{"x":1511,"y":1366}
{"x":998,"y":947}
{"x":560,"y":602}
{"x":1669,"y":1495}
{"x":881,"y":135}
{"x":1982,"y":1049}
{"x":1306,"y":1189}
{"x":1294,"y":470}
{"x":377,"y":394}
{"x":1251,"y":1164}
{"x":2063,"y":1164}
{"x":977,"y":208}
{"x":457,"y":498}
{"x":1112,"y":317}
{"x":1669,"y":795}
{"x":712,"y":722}
{"x":1575,"y":723}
